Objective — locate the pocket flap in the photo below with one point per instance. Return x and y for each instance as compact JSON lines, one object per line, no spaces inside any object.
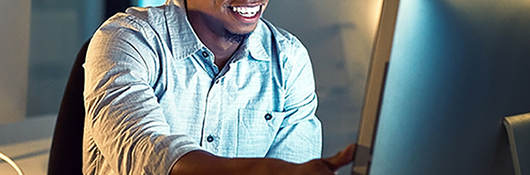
{"x":256,"y":131}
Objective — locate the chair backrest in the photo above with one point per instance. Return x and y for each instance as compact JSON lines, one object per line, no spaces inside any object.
{"x":67,"y":144}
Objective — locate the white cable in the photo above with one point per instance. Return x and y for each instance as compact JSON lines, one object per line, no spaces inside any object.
{"x":11,"y":162}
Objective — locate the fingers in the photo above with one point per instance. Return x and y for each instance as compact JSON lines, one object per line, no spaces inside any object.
{"x":342,"y":158}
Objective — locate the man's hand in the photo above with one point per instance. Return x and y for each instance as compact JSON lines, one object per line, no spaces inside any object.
{"x":200,"y":162}
{"x":327,"y":165}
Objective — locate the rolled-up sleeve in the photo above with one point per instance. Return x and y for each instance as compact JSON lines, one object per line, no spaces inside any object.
{"x":300,"y":136}
{"x":124,"y":120}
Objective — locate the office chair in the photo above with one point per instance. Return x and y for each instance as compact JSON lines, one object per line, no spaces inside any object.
{"x":67,"y":143}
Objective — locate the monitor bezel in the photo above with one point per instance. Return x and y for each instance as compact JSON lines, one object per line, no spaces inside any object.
{"x":375,"y":87}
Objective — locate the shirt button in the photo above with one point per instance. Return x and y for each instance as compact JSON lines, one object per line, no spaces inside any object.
{"x":268,"y":116}
{"x":205,"y":54}
{"x":209,"y":138}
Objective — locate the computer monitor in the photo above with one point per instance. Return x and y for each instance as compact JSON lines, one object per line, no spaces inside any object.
{"x":444,"y":74}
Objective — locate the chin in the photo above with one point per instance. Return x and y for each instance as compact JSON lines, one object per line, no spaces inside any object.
{"x":242,"y":30}
{"x":234,"y":26}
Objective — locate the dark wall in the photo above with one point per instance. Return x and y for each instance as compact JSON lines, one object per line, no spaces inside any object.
{"x":114,"y":6}
{"x":58,"y":29}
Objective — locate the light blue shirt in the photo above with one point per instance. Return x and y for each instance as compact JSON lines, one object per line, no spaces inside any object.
{"x":153,"y":93}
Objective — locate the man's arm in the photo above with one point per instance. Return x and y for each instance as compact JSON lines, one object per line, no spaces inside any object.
{"x":203,"y":163}
{"x":124,"y":122}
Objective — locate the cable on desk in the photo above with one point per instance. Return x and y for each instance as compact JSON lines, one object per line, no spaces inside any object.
{"x":11,"y":162}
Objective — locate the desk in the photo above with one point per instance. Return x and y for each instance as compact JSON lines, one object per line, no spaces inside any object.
{"x":30,"y":156}
{"x":28,"y":144}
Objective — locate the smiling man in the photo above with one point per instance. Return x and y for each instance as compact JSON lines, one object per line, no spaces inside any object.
{"x":201,"y":87}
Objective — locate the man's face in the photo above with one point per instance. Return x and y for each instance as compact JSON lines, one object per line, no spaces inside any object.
{"x":236,"y":16}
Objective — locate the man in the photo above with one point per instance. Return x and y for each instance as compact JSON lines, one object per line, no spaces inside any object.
{"x":200,"y":87}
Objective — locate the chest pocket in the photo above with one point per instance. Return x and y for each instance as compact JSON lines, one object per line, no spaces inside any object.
{"x":256,"y":131}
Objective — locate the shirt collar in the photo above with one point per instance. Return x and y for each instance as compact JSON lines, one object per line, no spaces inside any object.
{"x":258,"y":44}
{"x":185,"y":42}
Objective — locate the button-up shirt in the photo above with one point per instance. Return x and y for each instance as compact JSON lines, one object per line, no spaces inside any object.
{"x":153,"y":93}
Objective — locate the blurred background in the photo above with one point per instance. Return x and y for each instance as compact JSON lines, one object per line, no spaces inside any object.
{"x":42,"y":37}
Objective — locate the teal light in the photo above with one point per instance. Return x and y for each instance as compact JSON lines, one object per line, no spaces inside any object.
{"x":146,"y":3}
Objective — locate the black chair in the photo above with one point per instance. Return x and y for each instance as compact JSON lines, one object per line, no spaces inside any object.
{"x":67,"y":144}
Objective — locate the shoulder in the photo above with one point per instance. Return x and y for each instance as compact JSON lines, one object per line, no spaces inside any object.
{"x":149,"y":21}
{"x":284,"y":39}
{"x":137,"y":35}
{"x":290,"y":49}
{"x":290,"y":57}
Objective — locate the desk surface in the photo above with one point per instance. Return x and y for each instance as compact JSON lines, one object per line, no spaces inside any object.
{"x":30,"y":156}
{"x":28,"y":143}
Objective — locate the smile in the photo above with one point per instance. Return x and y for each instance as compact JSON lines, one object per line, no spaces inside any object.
{"x":247,"y":11}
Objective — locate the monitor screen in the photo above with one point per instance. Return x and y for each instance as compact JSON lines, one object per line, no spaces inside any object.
{"x":456,"y":68}
{"x":147,"y":3}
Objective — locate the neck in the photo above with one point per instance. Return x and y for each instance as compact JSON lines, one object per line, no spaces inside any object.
{"x":213,"y":36}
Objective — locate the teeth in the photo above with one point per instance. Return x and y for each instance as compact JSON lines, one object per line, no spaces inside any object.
{"x":246,"y":11}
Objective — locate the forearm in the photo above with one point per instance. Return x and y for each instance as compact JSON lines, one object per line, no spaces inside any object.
{"x":200,"y":162}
